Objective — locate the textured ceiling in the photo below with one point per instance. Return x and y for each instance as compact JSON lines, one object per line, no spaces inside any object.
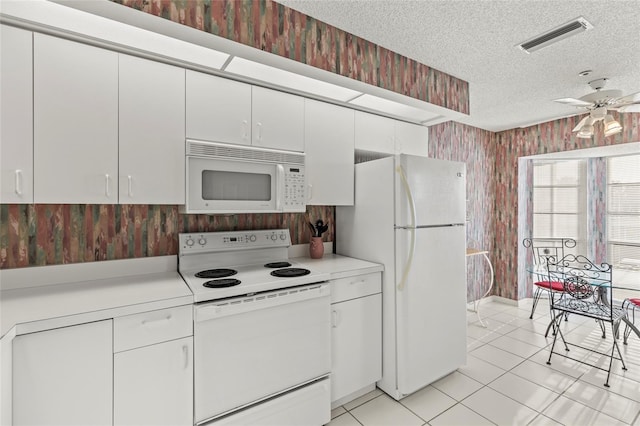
{"x":475,"y":41}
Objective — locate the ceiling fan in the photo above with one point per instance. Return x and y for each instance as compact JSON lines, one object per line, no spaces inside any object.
{"x":599,"y":103}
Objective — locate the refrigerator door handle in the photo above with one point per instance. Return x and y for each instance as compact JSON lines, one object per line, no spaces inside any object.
{"x":412,"y":206}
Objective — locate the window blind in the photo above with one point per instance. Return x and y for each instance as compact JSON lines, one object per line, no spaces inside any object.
{"x":559,"y":200}
{"x":623,"y":211}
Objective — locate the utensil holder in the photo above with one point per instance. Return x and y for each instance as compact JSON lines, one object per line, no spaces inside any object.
{"x":316,"y":248}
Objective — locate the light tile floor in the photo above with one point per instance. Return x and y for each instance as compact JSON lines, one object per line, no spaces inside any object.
{"x":506,"y":380}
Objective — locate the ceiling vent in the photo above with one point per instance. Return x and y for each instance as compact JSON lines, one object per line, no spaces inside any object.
{"x":570,"y":28}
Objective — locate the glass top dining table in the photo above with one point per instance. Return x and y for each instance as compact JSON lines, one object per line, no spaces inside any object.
{"x":625,"y":283}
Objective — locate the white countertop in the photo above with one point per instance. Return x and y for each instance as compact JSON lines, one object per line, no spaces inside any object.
{"x":40,"y":298}
{"x":71,"y":295}
{"x":340,"y":266}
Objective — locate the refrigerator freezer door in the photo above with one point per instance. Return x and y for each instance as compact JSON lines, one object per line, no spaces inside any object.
{"x":438,"y":189}
{"x":431,"y":313}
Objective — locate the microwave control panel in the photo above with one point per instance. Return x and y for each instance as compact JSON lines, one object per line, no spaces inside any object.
{"x":295,"y":194}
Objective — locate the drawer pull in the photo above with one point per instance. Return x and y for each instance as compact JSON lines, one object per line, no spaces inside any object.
{"x":157,"y":320}
{"x":357,"y":282}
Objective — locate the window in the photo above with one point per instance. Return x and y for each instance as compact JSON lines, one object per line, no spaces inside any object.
{"x":559,"y":200}
{"x":623,"y":211}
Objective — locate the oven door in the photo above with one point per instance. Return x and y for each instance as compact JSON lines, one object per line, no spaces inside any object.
{"x":229,"y":186}
{"x":251,"y":348}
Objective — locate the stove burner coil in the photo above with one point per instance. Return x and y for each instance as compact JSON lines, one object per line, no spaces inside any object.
{"x":290,"y":272}
{"x":216,"y":273}
{"x":277,"y":265}
{"x":230,"y":282}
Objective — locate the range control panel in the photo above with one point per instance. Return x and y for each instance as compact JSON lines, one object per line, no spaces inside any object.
{"x":233,"y":240}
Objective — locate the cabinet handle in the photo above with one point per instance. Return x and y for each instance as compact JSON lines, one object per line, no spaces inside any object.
{"x":334,"y":318}
{"x":310,"y":192}
{"x":19,"y":182}
{"x":106,"y":185}
{"x":259,"y":131}
{"x":245,"y":129}
{"x":157,"y":320}
{"x":185,"y":353}
{"x":130,"y":186}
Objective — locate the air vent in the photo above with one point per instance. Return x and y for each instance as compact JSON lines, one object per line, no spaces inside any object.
{"x":242,"y":153}
{"x":567,"y":30}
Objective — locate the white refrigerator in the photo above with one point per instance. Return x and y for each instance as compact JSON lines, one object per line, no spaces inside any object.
{"x":409,"y":215}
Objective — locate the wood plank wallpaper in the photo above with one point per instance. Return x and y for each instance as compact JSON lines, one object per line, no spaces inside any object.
{"x":52,"y":234}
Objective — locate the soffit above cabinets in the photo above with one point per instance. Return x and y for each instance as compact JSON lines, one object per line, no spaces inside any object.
{"x":109,"y":25}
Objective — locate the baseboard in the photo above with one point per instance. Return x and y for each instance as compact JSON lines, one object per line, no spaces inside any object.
{"x":500,"y":299}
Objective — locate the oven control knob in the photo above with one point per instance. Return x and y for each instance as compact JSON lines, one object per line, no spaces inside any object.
{"x":202,"y":241}
{"x":274,"y":237}
{"x":190,"y":242}
{"x":253,"y":238}
{"x":283,"y":237}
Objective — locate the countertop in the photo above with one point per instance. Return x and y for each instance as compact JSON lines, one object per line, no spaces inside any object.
{"x":41,"y":298}
{"x":70,"y":294}
{"x":340,"y":266}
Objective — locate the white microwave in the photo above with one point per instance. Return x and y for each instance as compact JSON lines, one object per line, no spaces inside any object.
{"x":229,"y":179}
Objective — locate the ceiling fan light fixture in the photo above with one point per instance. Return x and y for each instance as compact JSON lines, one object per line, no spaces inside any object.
{"x":611,"y":126}
{"x":598,"y":114}
{"x":586,"y":131}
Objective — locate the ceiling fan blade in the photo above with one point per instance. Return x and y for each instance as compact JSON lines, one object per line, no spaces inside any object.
{"x":579,"y":125}
{"x":634,"y":97}
{"x":635,"y":107}
{"x":573,"y":102}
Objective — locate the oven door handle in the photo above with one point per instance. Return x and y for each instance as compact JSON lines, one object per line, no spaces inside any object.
{"x":209,"y":311}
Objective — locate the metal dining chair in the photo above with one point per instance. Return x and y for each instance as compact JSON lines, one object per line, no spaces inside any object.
{"x":631,"y":306}
{"x":540,"y":249}
{"x":589,"y":294}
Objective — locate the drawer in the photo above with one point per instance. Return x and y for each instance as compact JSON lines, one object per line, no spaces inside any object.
{"x":355,"y":286}
{"x":147,"y":328}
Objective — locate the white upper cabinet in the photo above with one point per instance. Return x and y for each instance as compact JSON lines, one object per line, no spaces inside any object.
{"x":278,"y":120}
{"x":75,"y":122}
{"x":329,"y":133}
{"x":152,"y":132}
{"x":218,"y":109}
{"x":374,"y":133}
{"x":16,"y":115}
{"x":411,"y":139}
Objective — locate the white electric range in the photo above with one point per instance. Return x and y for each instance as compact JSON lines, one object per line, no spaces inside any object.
{"x":262,"y":331}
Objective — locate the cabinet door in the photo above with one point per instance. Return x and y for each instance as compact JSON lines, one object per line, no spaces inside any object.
{"x":356,"y":360}
{"x":75,"y":122}
{"x":328,"y":135}
{"x":152,"y":135}
{"x":16,"y":115}
{"x":278,"y":120}
{"x":153,"y":385}
{"x":218,"y":109}
{"x":411,"y":139}
{"x":64,"y":376}
{"x":374,"y":133}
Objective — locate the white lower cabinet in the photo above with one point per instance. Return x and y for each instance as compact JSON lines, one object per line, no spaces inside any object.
{"x":356,"y":337}
{"x":64,"y":376}
{"x":153,"y":385}
{"x":153,"y":368}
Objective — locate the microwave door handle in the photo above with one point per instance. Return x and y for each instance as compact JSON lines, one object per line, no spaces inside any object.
{"x":279,"y":186}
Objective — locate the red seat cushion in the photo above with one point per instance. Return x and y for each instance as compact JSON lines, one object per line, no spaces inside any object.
{"x":553,"y":285}
{"x":635,"y":301}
